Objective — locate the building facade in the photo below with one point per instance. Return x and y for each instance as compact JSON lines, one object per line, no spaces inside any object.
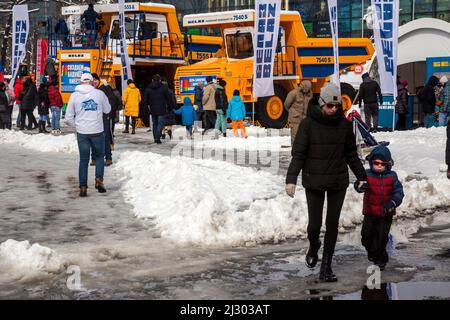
{"x":315,"y":13}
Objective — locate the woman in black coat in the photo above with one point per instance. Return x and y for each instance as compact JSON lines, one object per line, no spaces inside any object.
{"x":323,"y":147}
{"x":30,"y":100}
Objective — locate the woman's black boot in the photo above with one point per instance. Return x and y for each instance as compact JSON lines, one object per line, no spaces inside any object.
{"x":311,"y":255}
{"x":326,"y":274}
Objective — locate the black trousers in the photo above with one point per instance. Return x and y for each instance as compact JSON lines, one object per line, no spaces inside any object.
{"x":375,"y":237}
{"x":210,"y":119}
{"x":127,"y":122}
{"x":401,"y":122}
{"x":315,"y":200}
{"x":31,"y":119}
{"x":5,"y":120}
{"x":371,"y":110}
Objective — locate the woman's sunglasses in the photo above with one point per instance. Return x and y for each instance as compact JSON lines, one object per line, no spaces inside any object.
{"x":331,"y":106}
{"x":380,"y":163}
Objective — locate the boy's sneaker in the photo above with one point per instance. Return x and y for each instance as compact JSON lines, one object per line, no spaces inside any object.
{"x":108,"y":162}
{"x":92,"y":163}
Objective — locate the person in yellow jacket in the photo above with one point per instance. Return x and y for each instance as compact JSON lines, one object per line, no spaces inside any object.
{"x":131,"y":99}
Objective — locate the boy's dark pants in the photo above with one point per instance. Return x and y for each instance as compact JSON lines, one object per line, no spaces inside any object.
{"x":375,"y":236}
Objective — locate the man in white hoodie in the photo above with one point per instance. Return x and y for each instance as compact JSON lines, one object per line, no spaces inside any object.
{"x":85,"y":112}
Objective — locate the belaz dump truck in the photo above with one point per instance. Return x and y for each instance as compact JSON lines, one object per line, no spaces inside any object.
{"x":155,"y":44}
{"x":297,"y":57}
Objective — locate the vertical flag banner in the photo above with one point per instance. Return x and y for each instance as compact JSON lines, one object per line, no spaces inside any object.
{"x":41,"y":56}
{"x":385,"y":29}
{"x":21,"y":26}
{"x":126,"y":68}
{"x":332,"y":9}
{"x":267,"y":25}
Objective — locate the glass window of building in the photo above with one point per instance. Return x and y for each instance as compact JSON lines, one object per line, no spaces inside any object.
{"x":423,"y":9}
{"x":443,"y":10}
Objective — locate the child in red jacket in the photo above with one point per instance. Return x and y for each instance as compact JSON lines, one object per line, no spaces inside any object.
{"x":384,"y":194}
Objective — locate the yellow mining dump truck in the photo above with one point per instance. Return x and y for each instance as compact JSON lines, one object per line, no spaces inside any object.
{"x":298,"y":57}
{"x":155,"y":44}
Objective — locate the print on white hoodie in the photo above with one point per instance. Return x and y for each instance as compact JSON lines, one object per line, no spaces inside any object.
{"x":86,"y":108}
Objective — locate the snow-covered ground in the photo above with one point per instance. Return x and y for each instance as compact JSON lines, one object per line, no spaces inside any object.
{"x":209,"y":202}
{"x":183,"y":205}
{"x":215,"y":203}
{"x":40,"y":142}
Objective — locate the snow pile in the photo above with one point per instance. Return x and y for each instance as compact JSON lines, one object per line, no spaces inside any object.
{"x":252,"y":143}
{"x":259,"y":139}
{"x":40,"y":142}
{"x":210,"y":202}
{"x":421,"y":151}
{"x":21,"y":257}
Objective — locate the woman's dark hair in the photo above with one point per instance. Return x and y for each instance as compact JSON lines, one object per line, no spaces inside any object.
{"x":130,"y":81}
{"x":236,"y":92}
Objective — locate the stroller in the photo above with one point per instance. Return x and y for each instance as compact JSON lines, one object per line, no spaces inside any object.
{"x":365,"y":142}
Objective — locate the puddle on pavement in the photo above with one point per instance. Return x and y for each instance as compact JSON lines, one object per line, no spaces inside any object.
{"x":402,"y":291}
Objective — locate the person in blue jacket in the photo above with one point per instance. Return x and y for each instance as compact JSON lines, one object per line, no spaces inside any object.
{"x":188,"y":115}
{"x":236,"y":112}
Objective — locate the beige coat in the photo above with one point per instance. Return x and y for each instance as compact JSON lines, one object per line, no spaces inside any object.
{"x":296,"y":102}
{"x":209,"y":101}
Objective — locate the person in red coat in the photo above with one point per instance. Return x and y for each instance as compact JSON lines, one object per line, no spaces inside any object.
{"x":56,"y":104}
{"x":18,"y":88}
{"x":384,"y":194}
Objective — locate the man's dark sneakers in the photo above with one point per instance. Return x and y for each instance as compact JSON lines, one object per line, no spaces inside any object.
{"x":99,"y":185}
{"x":92,"y":163}
{"x":108,"y":162}
{"x":83,"y":191}
{"x":311,"y":256}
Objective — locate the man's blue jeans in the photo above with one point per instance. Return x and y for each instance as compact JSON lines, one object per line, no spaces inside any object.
{"x":86,"y":143}
{"x":108,"y":140}
{"x":429,"y":120}
{"x":56,"y":116}
{"x":158,"y":125}
{"x":443,"y":118}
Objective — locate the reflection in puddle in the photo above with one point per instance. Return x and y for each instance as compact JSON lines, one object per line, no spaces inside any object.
{"x":402,"y":291}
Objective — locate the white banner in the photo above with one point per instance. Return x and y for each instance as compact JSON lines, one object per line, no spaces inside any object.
{"x":20,"y":26}
{"x":385,"y":30}
{"x":267,"y":25}
{"x":332,"y":9}
{"x":126,"y":68}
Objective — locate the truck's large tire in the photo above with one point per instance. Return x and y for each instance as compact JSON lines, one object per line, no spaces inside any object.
{"x":271,"y":112}
{"x":348,"y":94}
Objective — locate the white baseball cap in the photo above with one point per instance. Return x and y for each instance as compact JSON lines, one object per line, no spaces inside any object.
{"x":85,"y":77}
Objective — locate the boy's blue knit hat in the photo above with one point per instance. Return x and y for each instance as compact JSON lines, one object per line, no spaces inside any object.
{"x":381,"y":152}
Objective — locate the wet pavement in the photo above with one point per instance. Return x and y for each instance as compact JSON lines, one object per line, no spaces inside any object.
{"x":121,"y":257}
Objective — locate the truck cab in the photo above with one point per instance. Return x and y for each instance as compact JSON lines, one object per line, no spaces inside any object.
{"x":297,"y":57}
{"x":155,"y":44}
